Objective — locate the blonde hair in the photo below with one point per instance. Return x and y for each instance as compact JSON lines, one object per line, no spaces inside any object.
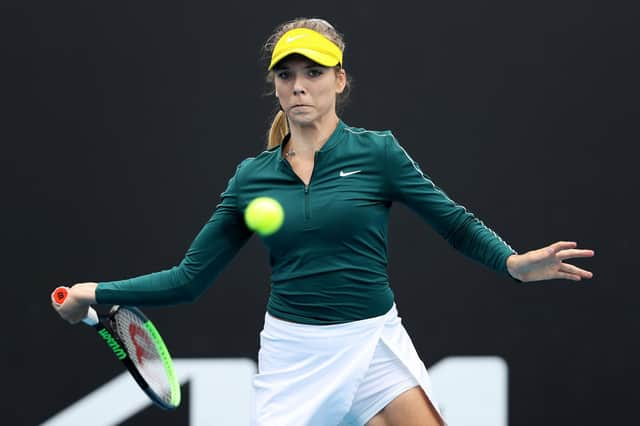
{"x":280,"y":127}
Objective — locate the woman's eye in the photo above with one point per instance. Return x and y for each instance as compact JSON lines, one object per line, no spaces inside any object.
{"x":314,"y":73}
{"x":283,"y":75}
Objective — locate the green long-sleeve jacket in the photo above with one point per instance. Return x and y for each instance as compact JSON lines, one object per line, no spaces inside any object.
{"x":329,"y":259}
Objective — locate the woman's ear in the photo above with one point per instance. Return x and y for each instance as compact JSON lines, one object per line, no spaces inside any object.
{"x":341,"y":80}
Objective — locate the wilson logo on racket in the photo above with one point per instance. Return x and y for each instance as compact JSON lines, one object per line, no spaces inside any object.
{"x":113,"y":344}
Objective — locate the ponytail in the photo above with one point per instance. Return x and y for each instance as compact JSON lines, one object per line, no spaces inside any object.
{"x":279,"y":129}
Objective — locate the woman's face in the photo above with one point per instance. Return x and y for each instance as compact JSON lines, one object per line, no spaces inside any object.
{"x":307,"y":91}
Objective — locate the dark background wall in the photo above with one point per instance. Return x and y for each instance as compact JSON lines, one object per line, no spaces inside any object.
{"x":123,"y":121}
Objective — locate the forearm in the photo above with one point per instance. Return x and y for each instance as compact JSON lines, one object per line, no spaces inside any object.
{"x":460,"y":228}
{"x":480,"y":243}
{"x":169,"y":287}
{"x":212,"y":249}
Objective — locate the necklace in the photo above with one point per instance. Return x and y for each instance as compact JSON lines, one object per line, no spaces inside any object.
{"x":290,"y":153}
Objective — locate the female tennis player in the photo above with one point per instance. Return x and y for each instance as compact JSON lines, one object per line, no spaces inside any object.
{"x":333,"y":349}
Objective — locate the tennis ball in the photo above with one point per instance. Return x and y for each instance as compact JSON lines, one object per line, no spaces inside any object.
{"x":264,"y":215}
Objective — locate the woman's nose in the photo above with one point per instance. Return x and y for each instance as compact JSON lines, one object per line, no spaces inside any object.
{"x":298,"y":88}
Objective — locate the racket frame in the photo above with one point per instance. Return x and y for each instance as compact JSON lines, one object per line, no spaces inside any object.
{"x":105,"y":324}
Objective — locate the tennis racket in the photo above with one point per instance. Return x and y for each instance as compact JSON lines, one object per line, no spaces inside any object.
{"x":135,"y":341}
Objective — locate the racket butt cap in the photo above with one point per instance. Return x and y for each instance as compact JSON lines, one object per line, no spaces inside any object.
{"x":59,"y":295}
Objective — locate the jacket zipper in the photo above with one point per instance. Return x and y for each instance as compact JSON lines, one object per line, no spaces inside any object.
{"x":307,"y":203}
{"x":307,"y":208}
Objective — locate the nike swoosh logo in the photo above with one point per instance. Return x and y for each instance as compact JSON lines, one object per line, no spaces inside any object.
{"x":294,"y":38}
{"x":343,"y":173}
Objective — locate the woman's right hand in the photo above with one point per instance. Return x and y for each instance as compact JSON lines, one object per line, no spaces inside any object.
{"x":76,"y":305}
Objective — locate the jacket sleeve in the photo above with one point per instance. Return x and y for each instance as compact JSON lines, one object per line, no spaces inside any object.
{"x":212,"y":249}
{"x":408,"y":184}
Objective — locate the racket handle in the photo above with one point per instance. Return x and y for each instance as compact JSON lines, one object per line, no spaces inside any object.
{"x":60,"y":294}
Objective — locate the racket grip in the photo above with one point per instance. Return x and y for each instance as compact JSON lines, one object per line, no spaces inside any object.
{"x":59,"y":295}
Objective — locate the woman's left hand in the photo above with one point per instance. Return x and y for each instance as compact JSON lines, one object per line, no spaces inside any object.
{"x":547,"y":263}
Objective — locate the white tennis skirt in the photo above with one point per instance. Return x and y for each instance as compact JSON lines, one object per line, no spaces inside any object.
{"x":330,"y":375}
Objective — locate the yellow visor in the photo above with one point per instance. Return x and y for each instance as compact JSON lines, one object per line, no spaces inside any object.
{"x":308,"y":43}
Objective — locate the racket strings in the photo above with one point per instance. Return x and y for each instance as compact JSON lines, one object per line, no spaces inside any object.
{"x":143,"y":352}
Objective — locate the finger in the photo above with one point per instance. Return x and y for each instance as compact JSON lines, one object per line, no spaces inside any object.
{"x":73,"y":320}
{"x":574,"y":253}
{"x":568,"y":276}
{"x":562,"y":245}
{"x":571,"y":269}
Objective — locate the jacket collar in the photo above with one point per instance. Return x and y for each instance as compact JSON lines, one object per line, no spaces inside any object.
{"x":333,"y":140}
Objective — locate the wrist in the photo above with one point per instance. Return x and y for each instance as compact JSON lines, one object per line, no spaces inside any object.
{"x":85,"y":292}
{"x":512,"y":268}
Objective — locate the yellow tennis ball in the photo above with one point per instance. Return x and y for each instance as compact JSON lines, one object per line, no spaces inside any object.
{"x":264,"y":215}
